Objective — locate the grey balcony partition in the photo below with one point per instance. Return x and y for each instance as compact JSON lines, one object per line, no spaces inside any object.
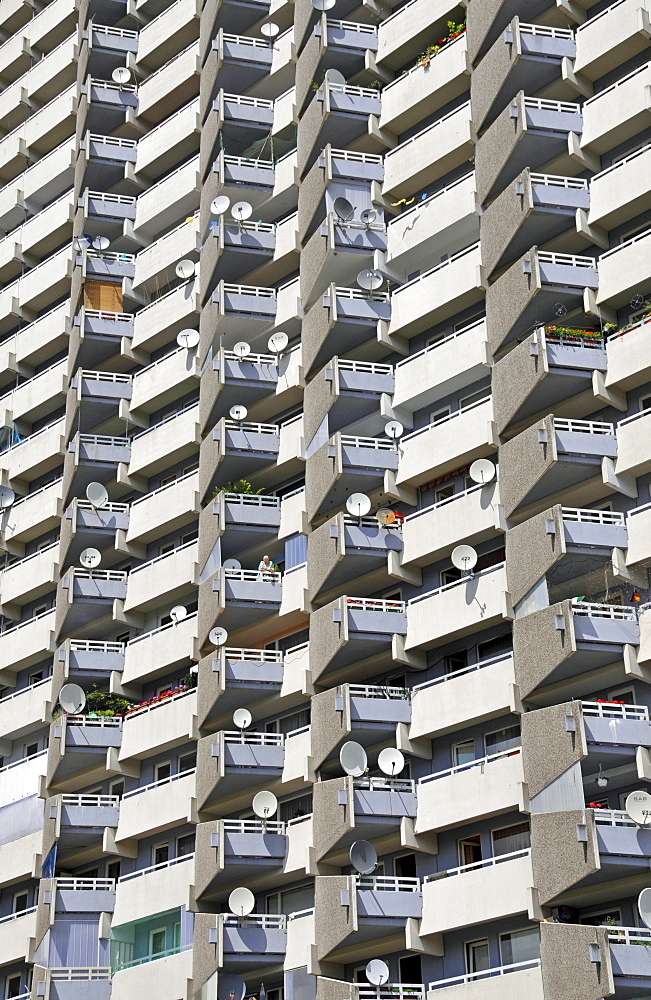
{"x":550,"y":747}
{"x":561,"y":860}
{"x":206,"y":957}
{"x":569,"y":970}
{"x":491,"y":17}
{"x":335,"y":921}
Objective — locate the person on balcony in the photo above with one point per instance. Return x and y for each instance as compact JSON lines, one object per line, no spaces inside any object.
{"x":266,"y":570}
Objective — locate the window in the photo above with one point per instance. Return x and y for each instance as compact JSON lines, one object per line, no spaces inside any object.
{"x":40,"y":609}
{"x":89,"y":872}
{"x":409,"y":969}
{"x":438,"y":416}
{"x":21,"y":902}
{"x":463,"y":753}
{"x":519,"y":946}
{"x":444,"y":493}
{"x":477,"y":957}
{"x":31,"y":749}
{"x":165,"y":548}
{"x":190,"y":468}
{"x":450,"y":575}
{"x":405,"y":866}
{"x":162,"y":771}
{"x":184,"y":845}
{"x":465,"y":324}
{"x":627,"y":695}
{"x":166,"y":480}
{"x":157,"y":941}
{"x":35,"y":677}
{"x":474,"y":397}
{"x":492,"y":647}
{"x":187,"y":761}
{"x":511,"y":838}
{"x":360,"y":975}
{"x":177,"y":936}
{"x":645,"y":403}
{"x":456,"y":661}
{"x":602,"y":917}
{"x":190,"y":536}
{"x":113,"y":869}
{"x":123,"y":637}
{"x":293,"y":808}
{"x":160,"y":854}
{"x":290,"y":901}
{"x":104,"y":295}
{"x":470,"y":850}
{"x":502,"y":739}
{"x":436,"y":338}
{"x":12,"y":986}
{"x":117,"y":788}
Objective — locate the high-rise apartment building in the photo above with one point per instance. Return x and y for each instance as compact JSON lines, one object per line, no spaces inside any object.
{"x":259,"y":256}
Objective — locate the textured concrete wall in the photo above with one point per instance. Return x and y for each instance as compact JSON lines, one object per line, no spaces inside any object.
{"x":509,"y":296}
{"x":56,"y":748}
{"x":567,"y":970}
{"x":560,"y":861}
{"x":209,"y":768}
{"x":310,"y":194}
{"x":495,"y":147}
{"x":307,"y":63}
{"x":331,"y":821}
{"x":326,"y":636}
{"x":211,"y":605}
{"x":314,"y":256}
{"x":210,"y":687}
{"x":211,"y":526}
{"x":531,"y":551}
{"x":43,"y":909}
{"x":319,"y":396}
{"x":335,"y":922}
{"x":523,"y":461}
{"x":548,"y":749}
{"x":321,"y":473}
{"x":206,"y":957}
{"x":502,"y":219}
{"x":490,"y":74}
{"x":330,"y":727}
{"x":516,"y":376}
{"x":317,"y":323}
{"x":324,"y":552}
{"x":539,"y":647}
{"x":309,"y":128}
{"x":205,"y":857}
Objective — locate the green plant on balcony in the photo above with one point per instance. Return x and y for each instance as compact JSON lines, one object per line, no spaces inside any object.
{"x":454,"y":30}
{"x":241,"y":486}
{"x":100,"y":703}
{"x":572,"y":333}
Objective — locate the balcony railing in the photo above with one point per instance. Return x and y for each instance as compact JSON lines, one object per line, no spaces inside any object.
{"x":378,"y":691}
{"x":95,"y":646}
{"x":14,"y":916}
{"x":33,"y":555}
{"x":95,"y":721}
{"x":448,"y":417}
{"x":136,"y":712}
{"x":437,"y":194}
{"x":628,"y":935}
{"x":254,"y":739}
{"x":392,"y":991}
{"x":583,"y":426}
{"x":86,"y":884}
{"x":30,"y":687}
{"x":370,"y":604}
{"x":498,"y":970}
{"x":91,"y":801}
{"x":443,"y":263}
{"x":156,"y":868}
{"x":17,"y":763}
{"x":165,"y":420}
{"x":613,"y":817}
{"x":256,"y":655}
{"x":254,"y":826}
{"x":379,"y":444}
{"x":253,"y":575}
{"x":455,"y":583}
{"x":14,"y":626}
{"x":164,"y":555}
{"x":266,"y":921}
{"x":251,"y":426}
{"x":160,"y":783}
{"x":387,"y":883}
{"x":618,"y":83}
{"x":556,"y":180}
{"x":476,"y":865}
{"x":587,"y":516}
{"x":633,"y":326}
{"x":500,"y":657}
{"x":608,"y":710}
{"x":77,"y":974}
{"x":479,"y":762}
{"x":617,"y":612}
{"x":541,"y":104}
{"x":367,"y":367}
{"x":443,"y":503}
{"x":380,"y":783}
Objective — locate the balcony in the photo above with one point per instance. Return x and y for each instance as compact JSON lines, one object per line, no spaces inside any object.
{"x":630,"y":963}
{"x":172,"y":439}
{"x":331,"y":176}
{"x":354,"y":391}
{"x":580,"y":637}
{"x":172,"y":141}
{"x":171,"y":86}
{"x":350,"y":462}
{"x":343,"y":319}
{"x":235,"y":172}
{"x":164,"y":381}
{"x":156,"y":261}
{"x":623,"y":270}
{"x":638,"y":523}
{"x":456,"y":609}
{"x":156,"y":807}
{"x":536,"y":208}
{"x":478,"y":893}
{"x":231,"y":678}
{"x":91,"y":659}
{"x":78,"y":749}
{"x":24,"y":710}
{"x":430,"y":534}
{"x":166,"y":34}
{"x":157,"y":323}
{"x":551,"y":370}
{"x":246,"y":595}
{"x":242,"y":312}
{"x":233,"y":762}
{"x":35,"y":454}
{"x":81,"y":821}
{"x":248,"y":118}
{"x":23,"y":644}
{"x":98,"y":334}
{"x":438,"y":370}
{"x":48,"y":178}
{"x":525,"y":976}
{"x":37,"y":236}
{"x":456,"y":439}
{"x":38,"y":289}
{"x":244,"y":248}
{"x":336,"y":250}
{"x":246,"y":943}
{"x":618,"y":193}
{"x":531,"y":288}
{"x":235,"y":449}
{"x":167,"y":974}
{"x":147,"y":891}
{"x":85,"y":525}
{"x":29,"y":578}
{"x":349,"y":809}
{"x":338,"y":113}
{"x":530,"y":132}
{"x":528,"y":57}
{"x":34,"y":514}
{"x":170,"y":199}
{"x":424,"y":89}
{"x":153,"y":654}
{"x":617,"y":113}
{"x":563,"y":545}
{"x":352,"y":630}
{"x":94,"y":457}
{"x":239,"y":62}
{"x":17,"y":929}
{"x":367,"y":713}
{"x":232,"y":850}
{"x":449,"y":703}
{"x":608,"y":39}
{"x":162,"y":724}
{"x":84,"y":895}
{"x":46,"y":128}
{"x":243,"y":520}
{"x":84,"y":595}
{"x":165,"y":577}
{"x":466,"y":793}
{"x":346,"y":548}
{"x":557,"y":458}
{"x":446,"y":289}
{"x":429,"y":155}
{"x":406,"y":32}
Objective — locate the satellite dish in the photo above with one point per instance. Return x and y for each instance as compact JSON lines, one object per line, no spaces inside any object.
{"x":377,"y":972}
{"x":343,"y":209}
{"x":178,"y":613}
{"x":269,"y":30}
{"x":241,"y":901}
{"x":101,"y":243}
{"x":81,"y":243}
{"x":644,"y":906}
{"x":232,"y":564}
{"x":265,"y":804}
{"x":185,"y":269}
{"x":391,"y":761}
{"x":334,"y":76}
{"x":368,"y":217}
{"x":97,"y":495}
{"x":638,"y":807}
{"x":238,"y":412}
{"x":230,"y":987}
{"x":7,"y":497}
{"x":464,"y":557}
{"x":370,"y":280}
{"x":242,"y":718}
{"x":90,"y":558}
{"x":188,"y":339}
{"x":358,"y":504}
{"x":278,"y":342}
{"x":241,"y":349}
{"x":72,"y":699}
{"x":241,"y":211}
{"x":560,"y":309}
{"x":482,"y":471}
{"x":220,"y":205}
{"x":363,"y":857}
{"x":352,"y":758}
{"x":218,"y":635}
{"x":121,"y":74}
{"x":394,"y":429}
{"x":323,"y":4}
{"x":637,"y":301}
{"x":385,"y":516}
